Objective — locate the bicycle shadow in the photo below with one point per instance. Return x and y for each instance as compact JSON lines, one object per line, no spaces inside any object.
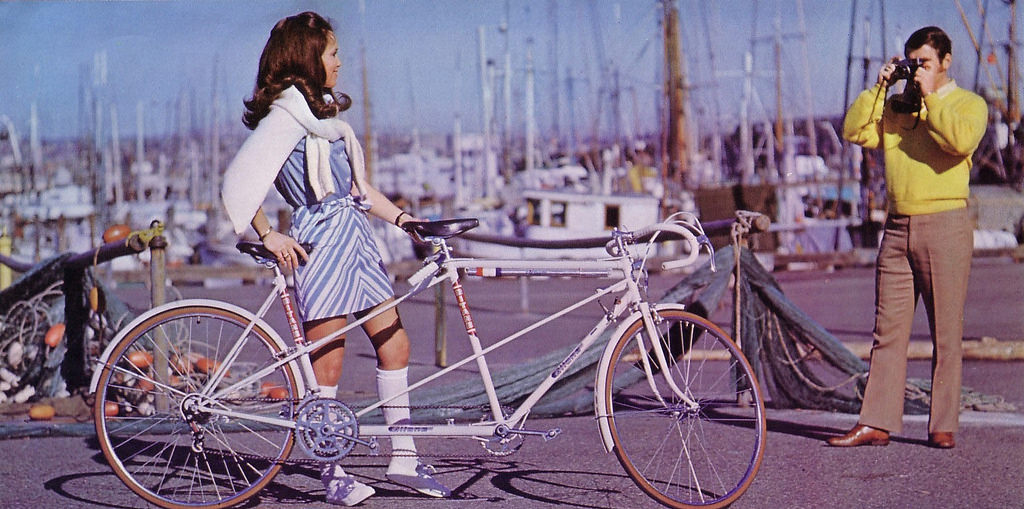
{"x":489,"y":481}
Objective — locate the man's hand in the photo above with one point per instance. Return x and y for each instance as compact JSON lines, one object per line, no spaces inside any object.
{"x":927,"y":78}
{"x":885,"y":73}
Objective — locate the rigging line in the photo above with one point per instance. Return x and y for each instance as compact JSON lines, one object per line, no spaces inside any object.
{"x":988,"y":37}
{"x":642,"y":31}
{"x":974,"y":39}
{"x":991,"y":43}
{"x":716,"y":101}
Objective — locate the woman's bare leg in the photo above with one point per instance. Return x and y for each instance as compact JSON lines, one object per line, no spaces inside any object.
{"x":328,"y":360}
{"x":389,"y":339}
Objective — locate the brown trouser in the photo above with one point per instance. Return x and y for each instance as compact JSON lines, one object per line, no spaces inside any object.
{"x":927,"y":256}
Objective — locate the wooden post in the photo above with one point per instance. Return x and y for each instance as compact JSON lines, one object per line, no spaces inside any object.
{"x":524,"y":288}
{"x":158,"y":282}
{"x":6,"y":246}
{"x":440,"y":329}
{"x":675,"y":90}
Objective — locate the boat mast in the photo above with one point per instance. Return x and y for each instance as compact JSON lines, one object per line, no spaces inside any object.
{"x":531,"y":128}
{"x":368,"y":147}
{"x":556,"y":97}
{"x":506,"y":145}
{"x":1012,"y":98}
{"x":486,"y":98}
{"x":115,"y":180}
{"x":35,"y":147}
{"x":674,"y":163}
{"x":1015,"y":173}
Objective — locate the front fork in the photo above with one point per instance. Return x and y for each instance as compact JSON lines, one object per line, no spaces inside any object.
{"x":603,"y":384}
{"x":657,"y":346}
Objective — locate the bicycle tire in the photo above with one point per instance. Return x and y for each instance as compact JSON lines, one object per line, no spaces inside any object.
{"x":150,"y":448}
{"x":685,"y":457}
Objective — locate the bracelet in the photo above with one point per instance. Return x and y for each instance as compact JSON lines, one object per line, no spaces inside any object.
{"x":399,"y":216}
{"x":264,"y":234}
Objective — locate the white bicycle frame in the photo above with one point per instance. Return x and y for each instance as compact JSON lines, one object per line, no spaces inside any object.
{"x":626,"y":288}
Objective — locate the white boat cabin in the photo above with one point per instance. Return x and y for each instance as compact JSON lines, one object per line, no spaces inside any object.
{"x":566,"y":215}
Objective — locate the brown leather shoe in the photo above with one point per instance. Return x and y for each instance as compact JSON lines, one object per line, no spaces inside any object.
{"x":861,"y":435}
{"x":941,"y":440}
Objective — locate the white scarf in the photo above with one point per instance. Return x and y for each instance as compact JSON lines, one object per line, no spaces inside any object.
{"x":251,"y":173}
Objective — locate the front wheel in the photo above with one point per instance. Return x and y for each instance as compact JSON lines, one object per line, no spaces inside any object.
{"x":148,"y":415}
{"x":700,"y":447}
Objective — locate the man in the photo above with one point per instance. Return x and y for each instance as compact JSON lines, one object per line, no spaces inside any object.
{"x":926,"y":247}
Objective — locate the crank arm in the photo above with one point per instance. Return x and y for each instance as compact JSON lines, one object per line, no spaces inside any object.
{"x":546,"y":435}
{"x":371,"y":444}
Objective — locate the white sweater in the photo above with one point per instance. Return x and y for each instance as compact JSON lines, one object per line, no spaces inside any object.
{"x":252,"y":172}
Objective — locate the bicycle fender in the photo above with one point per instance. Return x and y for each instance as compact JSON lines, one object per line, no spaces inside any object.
{"x":600,"y":409}
{"x":248,"y":315}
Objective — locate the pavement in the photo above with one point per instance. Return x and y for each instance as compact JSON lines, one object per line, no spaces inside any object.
{"x":58,"y":464}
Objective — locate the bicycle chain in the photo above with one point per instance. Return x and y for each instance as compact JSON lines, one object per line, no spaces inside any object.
{"x":315,"y":461}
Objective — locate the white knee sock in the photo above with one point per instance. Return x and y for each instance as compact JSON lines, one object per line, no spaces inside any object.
{"x":390,"y":383}
{"x":329,"y":391}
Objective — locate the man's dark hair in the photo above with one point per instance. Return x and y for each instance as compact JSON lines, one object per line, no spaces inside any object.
{"x":932,"y":36}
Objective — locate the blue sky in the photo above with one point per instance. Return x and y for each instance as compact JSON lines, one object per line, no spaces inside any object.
{"x":423,"y":59}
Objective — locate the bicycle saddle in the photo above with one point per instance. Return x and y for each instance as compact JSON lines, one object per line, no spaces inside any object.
{"x":445,"y":228}
{"x":257,"y":251}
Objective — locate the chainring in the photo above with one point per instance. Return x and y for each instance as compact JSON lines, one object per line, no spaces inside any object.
{"x":325,"y":427}
{"x":501,"y":446}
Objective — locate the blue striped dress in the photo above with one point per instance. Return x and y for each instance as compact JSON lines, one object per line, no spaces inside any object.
{"x":345,"y":272}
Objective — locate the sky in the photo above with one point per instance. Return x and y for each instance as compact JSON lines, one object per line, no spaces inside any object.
{"x":423,"y":57}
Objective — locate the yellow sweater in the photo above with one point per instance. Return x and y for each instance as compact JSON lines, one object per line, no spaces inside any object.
{"x":927,"y":160}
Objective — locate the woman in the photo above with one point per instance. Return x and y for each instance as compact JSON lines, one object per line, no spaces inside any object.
{"x":315,"y":162}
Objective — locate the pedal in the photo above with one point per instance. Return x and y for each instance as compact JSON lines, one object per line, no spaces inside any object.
{"x":546,"y":435}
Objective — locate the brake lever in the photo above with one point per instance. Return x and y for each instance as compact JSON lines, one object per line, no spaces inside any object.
{"x":703,"y":240}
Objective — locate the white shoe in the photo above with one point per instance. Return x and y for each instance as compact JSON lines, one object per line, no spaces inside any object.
{"x":422,"y":481}
{"x":343,"y":489}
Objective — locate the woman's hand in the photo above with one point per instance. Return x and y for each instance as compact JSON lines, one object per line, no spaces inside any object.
{"x":409,"y":218}
{"x":286,"y":249}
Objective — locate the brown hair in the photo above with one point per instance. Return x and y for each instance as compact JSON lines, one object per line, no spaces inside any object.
{"x":932,"y":36}
{"x":293,"y":56}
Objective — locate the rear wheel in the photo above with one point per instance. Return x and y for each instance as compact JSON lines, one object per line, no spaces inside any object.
{"x":148,"y":413}
{"x":698,"y":453}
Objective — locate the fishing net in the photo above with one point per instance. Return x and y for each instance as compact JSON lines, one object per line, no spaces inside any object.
{"x":800,"y":364}
{"x":39,"y":304}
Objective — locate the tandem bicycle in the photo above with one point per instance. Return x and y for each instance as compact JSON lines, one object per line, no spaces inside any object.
{"x":200,"y":402}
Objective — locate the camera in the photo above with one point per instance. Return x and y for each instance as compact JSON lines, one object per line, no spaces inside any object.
{"x":906,"y":68}
{"x":910,"y":100}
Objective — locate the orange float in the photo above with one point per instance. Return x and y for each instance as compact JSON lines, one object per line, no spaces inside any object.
{"x":110,"y":408}
{"x":140,"y":359}
{"x":97,"y":300}
{"x":267,"y":387}
{"x":116,"y":232}
{"x":181,"y":364}
{"x":278,"y":393}
{"x":54,"y":335}
{"x":144,"y":385}
{"x":206,"y":365}
{"x":41,"y":412}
